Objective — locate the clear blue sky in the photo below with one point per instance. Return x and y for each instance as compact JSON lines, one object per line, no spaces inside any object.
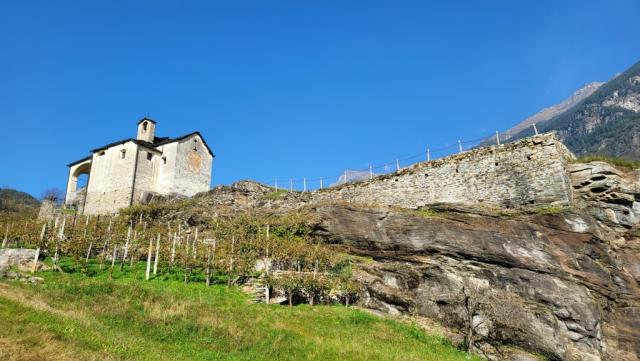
{"x":290,"y":88}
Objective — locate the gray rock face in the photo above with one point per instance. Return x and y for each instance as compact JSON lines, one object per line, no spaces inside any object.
{"x":559,"y":289}
{"x":611,"y":195}
{"x":18,"y":257}
{"x":563,"y":284}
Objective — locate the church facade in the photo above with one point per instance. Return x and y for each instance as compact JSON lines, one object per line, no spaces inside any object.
{"x":133,"y":170}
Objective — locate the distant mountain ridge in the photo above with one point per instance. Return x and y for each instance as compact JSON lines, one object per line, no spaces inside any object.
{"x":548,"y":113}
{"x":12,"y":200}
{"x":600,"y":118}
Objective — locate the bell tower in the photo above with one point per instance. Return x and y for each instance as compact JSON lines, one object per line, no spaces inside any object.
{"x":146,"y":129}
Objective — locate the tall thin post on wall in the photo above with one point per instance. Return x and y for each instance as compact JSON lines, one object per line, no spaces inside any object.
{"x":535,"y":129}
{"x":321,"y":183}
{"x":290,"y":185}
{"x":497,"y":138}
{"x":397,"y":164}
{"x":460,"y":145}
{"x":276,"y":185}
{"x":370,"y":171}
{"x":345,"y":177}
{"x":304,"y":184}
{"x":428,"y":155}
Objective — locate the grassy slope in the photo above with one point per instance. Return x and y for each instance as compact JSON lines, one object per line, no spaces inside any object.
{"x":74,"y":317}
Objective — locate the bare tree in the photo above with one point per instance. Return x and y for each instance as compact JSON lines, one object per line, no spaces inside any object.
{"x":54,"y":195}
{"x":487,"y":311}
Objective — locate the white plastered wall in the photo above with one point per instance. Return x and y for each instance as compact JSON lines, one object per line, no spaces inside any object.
{"x":111,"y":179}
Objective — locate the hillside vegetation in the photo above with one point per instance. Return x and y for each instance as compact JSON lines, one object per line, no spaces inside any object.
{"x":15,"y":201}
{"x":100,"y":304}
{"x":86,"y":316}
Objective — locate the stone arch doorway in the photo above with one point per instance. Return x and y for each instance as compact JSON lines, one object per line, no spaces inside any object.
{"x":77,"y":184}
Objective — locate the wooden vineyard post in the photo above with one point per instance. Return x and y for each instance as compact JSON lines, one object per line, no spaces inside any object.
{"x":213,"y":256}
{"x":148,"y":272}
{"x":56,"y":255}
{"x":155,"y":261}
{"x":105,"y":247}
{"x":6,"y":236}
{"x":195,"y":245}
{"x":35,"y":258}
{"x":208,"y":269}
{"x":186,"y":263}
{"x":267,"y":262}
{"x":173,"y":251}
{"x":84,"y":238}
{"x":126,"y":247}
{"x":233,"y":243}
{"x":113,"y":261}
{"x":134,"y":241}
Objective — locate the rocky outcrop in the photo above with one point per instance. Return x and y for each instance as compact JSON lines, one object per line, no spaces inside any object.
{"x":560,"y":281}
{"x":16,"y":257}
{"x":560,"y":289}
{"x":610,"y":194}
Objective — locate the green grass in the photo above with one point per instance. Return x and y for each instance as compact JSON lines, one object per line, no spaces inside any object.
{"x":550,"y":209}
{"x":76,"y":317}
{"x":423,"y":212}
{"x":275,"y":195}
{"x":618,"y":162}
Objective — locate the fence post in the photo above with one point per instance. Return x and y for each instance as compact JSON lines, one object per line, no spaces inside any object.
{"x":497,"y":138}
{"x":535,"y":129}
{"x":460,"y":145}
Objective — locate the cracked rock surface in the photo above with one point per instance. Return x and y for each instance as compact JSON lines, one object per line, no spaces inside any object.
{"x":572,"y":278}
{"x":562,"y":283}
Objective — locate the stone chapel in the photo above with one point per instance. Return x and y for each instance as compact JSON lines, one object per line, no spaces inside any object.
{"x":132,"y":171}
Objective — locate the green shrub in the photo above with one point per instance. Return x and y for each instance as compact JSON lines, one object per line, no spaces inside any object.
{"x":275,"y":195}
{"x":550,"y":209}
{"x":617,"y":162}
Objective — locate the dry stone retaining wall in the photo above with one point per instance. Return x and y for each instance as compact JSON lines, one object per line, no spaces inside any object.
{"x":527,"y":172}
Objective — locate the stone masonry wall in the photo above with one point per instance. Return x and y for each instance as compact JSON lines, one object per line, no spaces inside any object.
{"x":527,"y":172}
{"x":193,"y":166}
{"x":110,"y":179}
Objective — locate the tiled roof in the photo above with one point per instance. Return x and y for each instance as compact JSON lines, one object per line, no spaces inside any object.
{"x":79,"y":161}
{"x":148,"y":120}
{"x":157,"y":141}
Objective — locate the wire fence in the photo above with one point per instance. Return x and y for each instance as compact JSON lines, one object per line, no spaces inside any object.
{"x":305,"y":184}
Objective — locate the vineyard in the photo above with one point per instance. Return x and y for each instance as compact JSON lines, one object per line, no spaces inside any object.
{"x":148,"y":284}
{"x":279,"y":249}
